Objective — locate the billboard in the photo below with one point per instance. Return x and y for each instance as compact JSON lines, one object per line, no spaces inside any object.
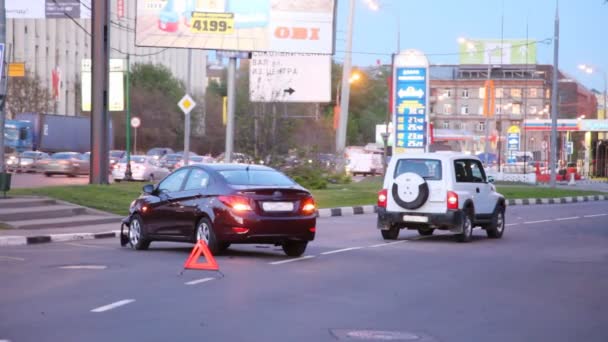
{"x":508,"y":51}
{"x":288,"y":77}
{"x":49,"y":9}
{"x":239,"y":25}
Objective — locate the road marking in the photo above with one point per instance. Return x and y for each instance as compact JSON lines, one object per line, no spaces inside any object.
{"x":113,"y":305}
{"x":198,"y":281}
{"x":340,"y":250}
{"x":386,"y":244}
{"x":291,"y":260}
{"x":540,"y":221}
{"x":5,"y":340}
{"x":511,"y":224}
{"x":596,"y":215}
{"x":567,"y":218}
{"x":84,"y":267}
{"x":10,"y":258}
{"x":85,"y":245}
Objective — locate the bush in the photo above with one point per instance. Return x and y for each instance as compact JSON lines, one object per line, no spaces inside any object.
{"x":339,"y":178}
{"x":308,"y":177}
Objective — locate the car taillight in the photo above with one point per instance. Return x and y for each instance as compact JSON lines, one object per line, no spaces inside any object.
{"x":452,"y":200}
{"x":237,"y":203}
{"x":308,"y":205}
{"x":382,"y":198}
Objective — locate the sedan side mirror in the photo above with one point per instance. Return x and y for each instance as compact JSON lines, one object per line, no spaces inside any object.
{"x":148,"y":189}
{"x":490,"y":179}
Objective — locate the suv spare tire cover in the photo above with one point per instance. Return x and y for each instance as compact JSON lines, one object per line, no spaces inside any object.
{"x":410,"y":191}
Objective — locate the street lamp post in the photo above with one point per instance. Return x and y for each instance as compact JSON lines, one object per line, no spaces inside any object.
{"x":345,"y":95}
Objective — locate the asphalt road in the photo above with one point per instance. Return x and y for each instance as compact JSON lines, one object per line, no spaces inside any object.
{"x":546,"y":280}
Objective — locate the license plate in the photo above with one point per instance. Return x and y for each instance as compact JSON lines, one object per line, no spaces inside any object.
{"x":412,"y":218}
{"x":277,"y":206}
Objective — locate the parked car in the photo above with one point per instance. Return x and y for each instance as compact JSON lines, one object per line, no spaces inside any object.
{"x":70,"y":164}
{"x":448,"y":191}
{"x":143,"y":168}
{"x":115,"y":157}
{"x":223,"y":204}
{"x":29,"y":161}
{"x":159,"y":152}
{"x":195,"y":160}
{"x":170,"y":160}
{"x":240,"y":158}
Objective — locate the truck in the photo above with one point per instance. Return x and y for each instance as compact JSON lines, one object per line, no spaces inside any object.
{"x":50,"y":133}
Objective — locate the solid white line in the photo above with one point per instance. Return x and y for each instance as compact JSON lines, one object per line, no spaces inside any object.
{"x":541,"y":221}
{"x":596,"y":215}
{"x":567,"y":218}
{"x":340,"y":250}
{"x":198,"y":281}
{"x":291,"y":260}
{"x":386,"y":244}
{"x":10,"y":258}
{"x":113,"y":305}
{"x":511,"y":224}
{"x":84,"y":267}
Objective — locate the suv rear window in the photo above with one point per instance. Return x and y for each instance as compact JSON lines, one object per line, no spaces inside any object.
{"x":429,"y":169}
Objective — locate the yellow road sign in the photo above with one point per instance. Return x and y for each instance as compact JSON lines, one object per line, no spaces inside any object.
{"x":16,"y":69}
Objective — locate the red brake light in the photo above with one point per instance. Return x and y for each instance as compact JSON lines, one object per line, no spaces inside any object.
{"x":382,"y":198}
{"x":452,"y":200}
{"x":308,"y":205}
{"x":237,"y":203}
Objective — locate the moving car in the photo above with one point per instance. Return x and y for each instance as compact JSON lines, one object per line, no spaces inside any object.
{"x":28,"y":161}
{"x":223,"y":204}
{"x":159,"y":152}
{"x":448,"y":191}
{"x":115,"y":157}
{"x":170,"y":160}
{"x":143,"y":168}
{"x":195,"y":160}
{"x":70,"y":164}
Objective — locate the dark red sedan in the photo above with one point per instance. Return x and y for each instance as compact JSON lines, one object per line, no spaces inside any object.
{"x":223,"y":204}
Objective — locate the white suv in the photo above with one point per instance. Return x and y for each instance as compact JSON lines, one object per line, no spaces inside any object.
{"x":440,"y":190}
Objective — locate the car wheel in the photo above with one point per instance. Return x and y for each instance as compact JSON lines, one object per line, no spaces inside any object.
{"x":467,"y":228}
{"x":47,"y":174}
{"x":137,"y":235}
{"x":391,"y":234}
{"x":294,"y":248}
{"x":426,"y":231}
{"x":410,"y":191}
{"x":71,"y":175}
{"x":204,"y":231}
{"x":497,"y":227}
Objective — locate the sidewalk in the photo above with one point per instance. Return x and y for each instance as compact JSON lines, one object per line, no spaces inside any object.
{"x":40,"y":220}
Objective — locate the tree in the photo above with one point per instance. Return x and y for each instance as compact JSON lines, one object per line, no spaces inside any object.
{"x":27,"y":94}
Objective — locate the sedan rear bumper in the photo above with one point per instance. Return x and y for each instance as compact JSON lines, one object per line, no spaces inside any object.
{"x":264,"y":229}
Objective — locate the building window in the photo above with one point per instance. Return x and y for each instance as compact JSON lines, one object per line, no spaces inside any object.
{"x":516,"y":109}
{"x":465,"y":93}
{"x":498,"y":109}
{"x":448,"y":93}
{"x":500,"y":93}
{"x":464,"y":109}
{"x":481,"y":126}
{"x":445,"y":124}
{"x":548,"y":93}
{"x":480,"y":112}
{"x":447,"y":108}
{"x":457,"y":125}
{"x":482,"y":92}
{"x":516,"y":92}
{"x":532,"y":92}
{"x":533,"y":110}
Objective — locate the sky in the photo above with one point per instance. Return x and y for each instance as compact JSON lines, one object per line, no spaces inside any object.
{"x":434,"y":26}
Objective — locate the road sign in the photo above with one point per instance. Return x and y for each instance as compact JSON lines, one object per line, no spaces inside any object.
{"x":513,"y":138}
{"x":186,"y":104}
{"x":570,"y":147}
{"x":410,"y":101}
{"x":16,"y":70}
{"x":288,"y":77}
{"x":135,"y":122}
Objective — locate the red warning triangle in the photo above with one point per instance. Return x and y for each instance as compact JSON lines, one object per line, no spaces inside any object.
{"x":192,"y":261}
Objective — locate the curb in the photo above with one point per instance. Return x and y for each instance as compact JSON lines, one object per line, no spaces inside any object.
{"x":322,"y":213}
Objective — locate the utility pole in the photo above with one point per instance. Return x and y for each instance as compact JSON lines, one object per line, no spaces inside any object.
{"x":488,"y":109}
{"x":186,"y":155}
{"x":3,"y":83}
{"x":554,"y":98}
{"x":100,"y":40}
{"x":128,"y":172}
{"x":231,"y":104}
{"x":345,"y":96}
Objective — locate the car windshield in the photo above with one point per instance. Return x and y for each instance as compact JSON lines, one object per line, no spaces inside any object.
{"x":429,"y":169}
{"x":173,"y":157}
{"x":135,"y":159}
{"x":65,"y":155}
{"x":255,"y":177}
{"x":29,"y":155}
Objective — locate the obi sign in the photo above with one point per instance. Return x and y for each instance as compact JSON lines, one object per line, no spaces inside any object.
{"x":410,"y":101}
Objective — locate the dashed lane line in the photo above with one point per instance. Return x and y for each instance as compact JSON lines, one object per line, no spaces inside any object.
{"x":198,"y":281}
{"x":596,"y":215}
{"x":567,"y":218}
{"x":76,"y":244}
{"x":386,"y":244}
{"x":113,"y":305}
{"x":539,"y":221}
{"x":291,"y":260}
{"x":340,"y":250}
{"x":2,"y":257}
